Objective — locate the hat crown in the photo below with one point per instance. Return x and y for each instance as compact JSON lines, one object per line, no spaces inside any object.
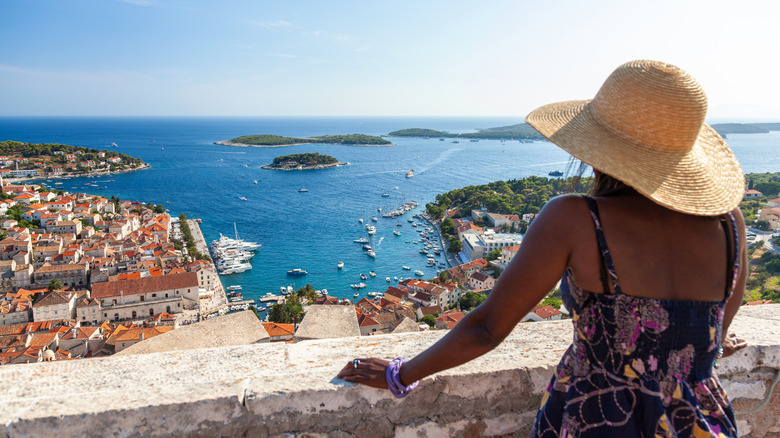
{"x":652,"y":104}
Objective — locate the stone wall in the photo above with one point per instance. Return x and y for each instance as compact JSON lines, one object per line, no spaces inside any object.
{"x":290,"y":389}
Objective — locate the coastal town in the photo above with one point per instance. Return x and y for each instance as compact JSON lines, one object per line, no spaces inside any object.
{"x":83,"y":276}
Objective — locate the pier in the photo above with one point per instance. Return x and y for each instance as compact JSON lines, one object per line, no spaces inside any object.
{"x":271,"y":299}
{"x":220,"y":298}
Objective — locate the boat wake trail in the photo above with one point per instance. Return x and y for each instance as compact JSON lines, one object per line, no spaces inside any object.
{"x":443,"y":156}
{"x":380,"y":241}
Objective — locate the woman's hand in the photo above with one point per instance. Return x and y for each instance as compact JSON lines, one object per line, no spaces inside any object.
{"x":731,"y":344}
{"x":369,"y":372}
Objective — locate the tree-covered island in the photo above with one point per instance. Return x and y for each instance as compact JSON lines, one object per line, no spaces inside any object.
{"x":266,"y":140}
{"x":306,"y":161}
{"x":48,"y":160}
{"x":521,"y":132}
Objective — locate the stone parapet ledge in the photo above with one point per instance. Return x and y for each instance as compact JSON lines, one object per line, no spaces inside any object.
{"x":290,"y":389}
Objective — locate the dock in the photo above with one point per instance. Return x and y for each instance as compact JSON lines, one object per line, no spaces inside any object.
{"x":220,"y":298}
{"x":232,"y":303}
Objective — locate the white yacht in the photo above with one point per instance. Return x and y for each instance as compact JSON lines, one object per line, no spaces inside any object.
{"x":371,"y":253}
{"x":419,"y":273}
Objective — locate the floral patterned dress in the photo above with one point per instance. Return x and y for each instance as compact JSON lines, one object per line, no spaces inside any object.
{"x":637,"y":366}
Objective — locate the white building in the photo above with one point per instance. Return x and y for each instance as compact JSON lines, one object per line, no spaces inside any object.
{"x":478,"y":246}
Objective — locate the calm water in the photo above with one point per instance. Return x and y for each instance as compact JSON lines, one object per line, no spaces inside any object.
{"x":311,"y":230}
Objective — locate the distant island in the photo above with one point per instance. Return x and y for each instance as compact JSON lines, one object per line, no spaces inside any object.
{"x":266,"y":140}
{"x":521,"y":132}
{"x":524,"y":132}
{"x":745,"y":128}
{"x":306,"y":161}
{"x":49,"y":160}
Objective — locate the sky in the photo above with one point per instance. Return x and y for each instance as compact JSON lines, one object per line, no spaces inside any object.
{"x":371,"y":58}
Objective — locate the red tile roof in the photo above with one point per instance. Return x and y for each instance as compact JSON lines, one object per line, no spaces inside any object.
{"x":143,"y":285}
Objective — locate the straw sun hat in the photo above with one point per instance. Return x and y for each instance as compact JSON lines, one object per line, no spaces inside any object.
{"x":646,"y":128}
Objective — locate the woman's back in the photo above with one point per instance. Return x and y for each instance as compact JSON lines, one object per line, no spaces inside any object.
{"x":657,"y":253}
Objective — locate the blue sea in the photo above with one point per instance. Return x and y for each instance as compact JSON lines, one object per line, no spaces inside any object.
{"x":315,"y":229}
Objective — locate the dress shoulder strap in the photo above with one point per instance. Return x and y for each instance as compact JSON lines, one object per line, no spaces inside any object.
{"x":608,"y":274}
{"x":733,"y":240}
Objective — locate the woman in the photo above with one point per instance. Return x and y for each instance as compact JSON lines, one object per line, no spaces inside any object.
{"x":652,"y":263}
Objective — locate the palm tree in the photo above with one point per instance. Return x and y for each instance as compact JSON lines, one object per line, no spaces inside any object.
{"x":54,"y":284}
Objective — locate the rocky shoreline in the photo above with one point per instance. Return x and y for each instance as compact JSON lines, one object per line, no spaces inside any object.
{"x":302,"y":167}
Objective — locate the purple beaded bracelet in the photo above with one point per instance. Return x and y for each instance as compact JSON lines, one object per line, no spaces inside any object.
{"x":394,"y":380}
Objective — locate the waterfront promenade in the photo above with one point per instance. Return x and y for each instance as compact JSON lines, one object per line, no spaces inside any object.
{"x":452,"y":259}
{"x":219,"y":298}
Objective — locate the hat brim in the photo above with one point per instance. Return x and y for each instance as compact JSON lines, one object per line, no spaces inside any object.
{"x":705,"y":180}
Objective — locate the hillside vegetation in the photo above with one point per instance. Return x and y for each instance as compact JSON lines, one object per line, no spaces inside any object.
{"x":46,"y":151}
{"x":517,"y":196}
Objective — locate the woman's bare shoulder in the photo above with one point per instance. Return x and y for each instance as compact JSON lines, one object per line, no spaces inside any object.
{"x":564,"y":206}
{"x":561,"y":215}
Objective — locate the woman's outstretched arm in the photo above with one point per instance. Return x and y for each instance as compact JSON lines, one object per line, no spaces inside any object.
{"x":534,"y":271}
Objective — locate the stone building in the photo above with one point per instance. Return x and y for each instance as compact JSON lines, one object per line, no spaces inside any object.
{"x":69,"y":274}
{"x":54,"y":305}
{"x":144,"y":297}
{"x":63,"y":227}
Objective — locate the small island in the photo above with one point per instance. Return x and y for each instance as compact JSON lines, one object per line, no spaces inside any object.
{"x":266,"y":140}
{"x":305,"y":161}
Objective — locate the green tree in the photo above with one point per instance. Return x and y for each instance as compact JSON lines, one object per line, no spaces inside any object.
{"x":54,"y":284}
{"x":444,"y":277}
{"x":307,"y":292}
{"x":289,"y":312}
{"x":470,"y":300}
{"x":278,"y":314}
{"x":552,"y":301}
{"x":455,"y":245}
{"x":493,"y":255}
{"x":447,"y":227}
{"x":429,"y":319}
